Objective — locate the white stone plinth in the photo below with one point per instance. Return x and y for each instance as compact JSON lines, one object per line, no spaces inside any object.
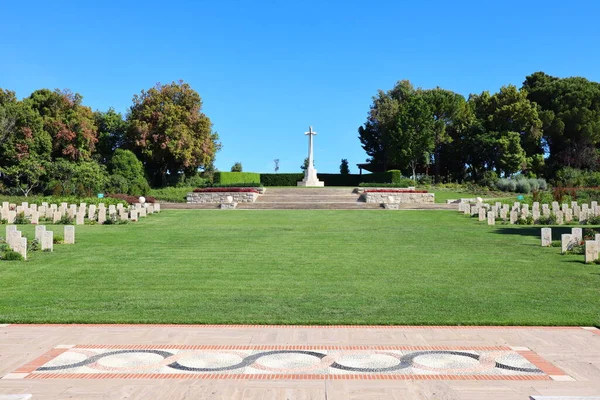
{"x":310,"y":178}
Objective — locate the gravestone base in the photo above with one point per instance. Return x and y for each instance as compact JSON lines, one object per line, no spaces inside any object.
{"x":228,"y":206}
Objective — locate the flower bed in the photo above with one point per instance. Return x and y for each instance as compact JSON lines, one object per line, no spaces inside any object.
{"x":395,"y":191}
{"x":226,"y":190}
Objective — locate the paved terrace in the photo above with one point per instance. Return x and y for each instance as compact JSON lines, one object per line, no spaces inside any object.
{"x":297,"y":362}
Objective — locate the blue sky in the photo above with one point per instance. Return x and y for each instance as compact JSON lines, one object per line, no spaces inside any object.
{"x":266,"y":70}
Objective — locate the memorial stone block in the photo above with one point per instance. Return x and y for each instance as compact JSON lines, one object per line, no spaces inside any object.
{"x":482,"y":214}
{"x":559,"y":217}
{"x":80,"y":218}
{"x":568,"y":215}
{"x":56,"y":216}
{"x":142,"y":212}
{"x":157,"y":207}
{"x":134,"y":215}
{"x":101,"y":215}
{"x":11,"y":216}
{"x":92,"y":212}
{"x":491,"y":218}
{"x":513,"y":217}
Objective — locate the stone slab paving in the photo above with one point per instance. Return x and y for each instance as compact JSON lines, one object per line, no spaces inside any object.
{"x":293,"y":362}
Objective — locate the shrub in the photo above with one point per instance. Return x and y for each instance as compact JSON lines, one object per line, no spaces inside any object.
{"x":65,"y":220}
{"x":124,"y":163}
{"x":547,"y":220}
{"x":394,"y":191}
{"x":236,"y":177}
{"x":171,"y":194}
{"x":34,"y":245}
{"x":20,"y":219}
{"x":225,"y":185}
{"x":522,"y":186}
{"x":281,"y":179}
{"x":57,"y":239}
{"x":10,"y":255}
{"x":593,"y":220}
{"x":115,"y":220}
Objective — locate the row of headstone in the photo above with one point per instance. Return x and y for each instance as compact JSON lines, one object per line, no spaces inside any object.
{"x":15,"y":241}
{"x":55,"y":212}
{"x":512,"y":214}
{"x":45,"y":238}
{"x":575,"y":238}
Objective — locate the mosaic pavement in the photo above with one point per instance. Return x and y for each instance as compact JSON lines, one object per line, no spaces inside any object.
{"x":289,"y":362}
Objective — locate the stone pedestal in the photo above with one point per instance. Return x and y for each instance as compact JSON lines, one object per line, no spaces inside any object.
{"x":310,"y":178}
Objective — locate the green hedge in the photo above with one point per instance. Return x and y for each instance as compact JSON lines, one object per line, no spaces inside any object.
{"x":226,"y":178}
{"x":281,"y":179}
{"x":393,"y":176}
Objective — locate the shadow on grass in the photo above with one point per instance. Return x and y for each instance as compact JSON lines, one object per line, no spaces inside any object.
{"x":536,"y":231}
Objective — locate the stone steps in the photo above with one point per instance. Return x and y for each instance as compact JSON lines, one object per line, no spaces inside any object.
{"x":309,"y":206}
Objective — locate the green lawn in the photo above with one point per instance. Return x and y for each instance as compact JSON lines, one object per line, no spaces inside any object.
{"x":302,"y":267}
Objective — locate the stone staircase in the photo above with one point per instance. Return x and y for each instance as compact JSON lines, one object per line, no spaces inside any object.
{"x":327,"y":198}
{"x":309,"y":199}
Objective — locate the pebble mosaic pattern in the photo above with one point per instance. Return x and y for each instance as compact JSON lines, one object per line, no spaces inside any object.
{"x":285,"y":362}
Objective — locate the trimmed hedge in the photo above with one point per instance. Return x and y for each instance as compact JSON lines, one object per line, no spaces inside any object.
{"x":226,"y":178}
{"x":393,"y":176}
{"x":281,"y":179}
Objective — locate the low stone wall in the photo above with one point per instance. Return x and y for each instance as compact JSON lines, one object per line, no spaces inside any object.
{"x":398,"y":197}
{"x":221,"y":197}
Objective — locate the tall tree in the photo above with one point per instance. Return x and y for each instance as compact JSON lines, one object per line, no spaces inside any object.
{"x":112,"y":129}
{"x":69,"y":123}
{"x":170,"y":133}
{"x":446,"y":107}
{"x":415,"y":137}
{"x":570,"y":111}
{"x":377,"y":134}
{"x":344,"y":168}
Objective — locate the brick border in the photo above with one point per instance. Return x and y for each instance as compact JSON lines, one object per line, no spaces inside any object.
{"x":297,"y":377}
{"x":257,"y":326}
{"x":288,"y":347}
{"x":540,"y":363}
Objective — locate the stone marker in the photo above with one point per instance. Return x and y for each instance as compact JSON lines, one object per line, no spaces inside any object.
{"x":142,"y":212}
{"x":576,"y":210}
{"x":48,"y":241}
{"x":35,"y":217}
{"x":597,"y":238}
{"x":591,"y":251}
{"x":92,"y":212}
{"x":5,"y":204}
{"x":503,"y":213}
{"x":474,"y":210}
{"x":559,"y":217}
{"x":583,"y":215}
{"x":56,"y":216}
{"x":112,"y":210}
{"x":123,"y":215}
{"x":69,"y":234}
{"x":310,"y":173}
{"x":20,"y":246}
{"x":546,"y":237}
{"x":566,"y":242}
{"x":568,"y":215}
{"x":80,"y":218}
{"x":157,"y":207}
{"x":39,"y":232}
{"x":9,"y":230}
{"x":14,"y":239}
{"x":150,"y":208}
{"x":134,"y":215}
{"x":491,"y":218}
{"x":564,"y":207}
{"x":20,"y":210}
{"x":577,"y":235}
{"x":513,"y":217}
{"x":33,"y":207}
{"x":119,"y":206}
{"x":11,"y":216}
{"x":482,"y":214}
{"x":101,"y":215}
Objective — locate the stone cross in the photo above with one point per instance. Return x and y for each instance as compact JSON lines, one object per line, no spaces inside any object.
{"x":310,"y":174}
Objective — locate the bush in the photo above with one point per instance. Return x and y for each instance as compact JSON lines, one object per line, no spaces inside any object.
{"x":547,"y":220}
{"x":65,"y":220}
{"x":171,"y":194}
{"x":226,"y":185}
{"x":281,"y":179}
{"x":10,"y":255}
{"x":117,"y":184}
{"x":124,"y":163}
{"x":523,"y":186}
{"x":225,"y":190}
{"x":195,"y":180}
{"x":236,"y":177}
{"x":20,"y":219}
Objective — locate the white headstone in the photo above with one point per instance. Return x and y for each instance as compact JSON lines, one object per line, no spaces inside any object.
{"x":56,"y":216}
{"x":134,"y":215}
{"x":39,"y":232}
{"x":577,"y":235}
{"x":69,"y":234}
{"x":80,"y":218}
{"x":48,"y":241}
{"x":566,"y":242}
{"x":591,"y":251}
{"x":35,"y":217}
{"x":92,"y":212}
{"x":101,"y":215}
{"x":20,"y":246}
{"x":491,"y":218}
{"x":142,"y":212}
{"x":12,"y":215}
{"x":546,"y":237}
{"x":156,"y":207}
